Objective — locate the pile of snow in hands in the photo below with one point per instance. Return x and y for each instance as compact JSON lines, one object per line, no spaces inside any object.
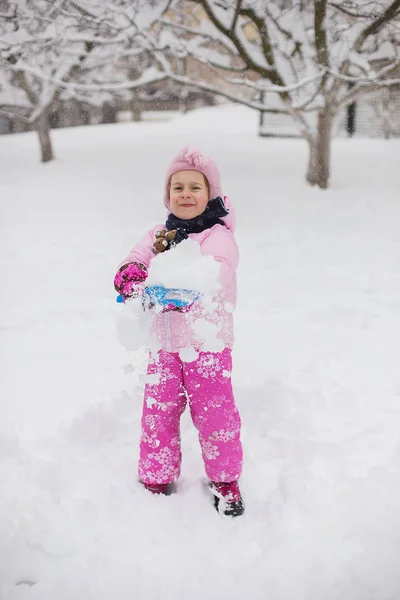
{"x":185,"y":267}
{"x":182,"y":267}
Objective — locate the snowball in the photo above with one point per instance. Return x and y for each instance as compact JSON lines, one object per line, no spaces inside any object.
{"x":207,"y":334}
{"x":154,"y":344}
{"x":133,"y":326}
{"x":150,"y":401}
{"x":208,"y":304}
{"x":188,"y":354}
{"x":185,"y":267}
{"x":229,"y":307}
{"x":153,"y":378}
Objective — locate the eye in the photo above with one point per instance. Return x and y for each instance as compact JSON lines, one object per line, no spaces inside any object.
{"x":196,"y":187}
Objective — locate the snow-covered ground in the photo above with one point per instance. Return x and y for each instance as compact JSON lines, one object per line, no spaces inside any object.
{"x":316,"y":373}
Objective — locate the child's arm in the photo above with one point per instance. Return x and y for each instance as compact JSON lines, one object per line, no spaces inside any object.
{"x":132,"y":272}
{"x":222,"y":246}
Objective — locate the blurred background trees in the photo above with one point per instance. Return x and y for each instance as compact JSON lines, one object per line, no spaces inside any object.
{"x":312,"y":68}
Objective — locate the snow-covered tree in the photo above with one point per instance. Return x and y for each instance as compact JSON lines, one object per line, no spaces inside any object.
{"x":71,"y":49}
{"x":306,"y":58}
{"x":34,"y":59}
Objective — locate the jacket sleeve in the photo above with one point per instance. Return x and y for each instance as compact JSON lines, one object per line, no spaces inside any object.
{"x":222,"y":246}
{"x":142,"y":252}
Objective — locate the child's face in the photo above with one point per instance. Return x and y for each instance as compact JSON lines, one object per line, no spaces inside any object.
{"x":188,"y":194}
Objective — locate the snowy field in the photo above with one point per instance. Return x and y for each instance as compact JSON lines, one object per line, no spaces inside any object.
{"x":316,"y":373}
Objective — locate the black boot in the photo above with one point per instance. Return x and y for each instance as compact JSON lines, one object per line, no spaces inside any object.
{"x":228,"y":500}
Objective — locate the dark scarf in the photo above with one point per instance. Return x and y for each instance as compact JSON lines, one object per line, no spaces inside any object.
{"x":211,"y":216}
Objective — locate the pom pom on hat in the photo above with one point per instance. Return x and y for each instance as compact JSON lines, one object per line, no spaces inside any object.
{"x":194,"y":157}
{"x":190,"y":158}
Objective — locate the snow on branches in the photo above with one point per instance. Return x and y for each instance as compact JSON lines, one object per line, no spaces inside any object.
{"x":73,"y":48}
{"x":308,"y":60}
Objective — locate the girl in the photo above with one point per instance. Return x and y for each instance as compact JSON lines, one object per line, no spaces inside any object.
{"x":193,"y":197}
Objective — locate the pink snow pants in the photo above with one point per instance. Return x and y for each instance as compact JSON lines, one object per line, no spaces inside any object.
{"x":206,"y":383}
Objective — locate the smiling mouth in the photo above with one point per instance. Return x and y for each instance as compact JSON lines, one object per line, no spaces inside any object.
{"x":187,"y":205}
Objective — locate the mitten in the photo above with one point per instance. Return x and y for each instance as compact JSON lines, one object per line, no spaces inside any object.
{"x":129,"y":279}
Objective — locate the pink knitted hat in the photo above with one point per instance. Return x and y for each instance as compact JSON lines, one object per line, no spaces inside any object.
{"x":189,"y":158}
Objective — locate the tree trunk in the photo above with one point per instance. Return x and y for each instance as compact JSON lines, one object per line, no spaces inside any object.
{"x":386,"y":113}
{"x":43,"y":129}
{"x":184,"y":91}
{"x":183,"y":100}
{"x":135,"y":107}
{"x":320,"y":151}
{"x":312,"y":174}
{"x":109,"y":113}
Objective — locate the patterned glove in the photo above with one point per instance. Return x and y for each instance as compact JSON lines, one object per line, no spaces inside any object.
{"x":128,"y":281}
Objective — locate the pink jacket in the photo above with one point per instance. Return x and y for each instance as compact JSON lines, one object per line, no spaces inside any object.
{"x":173,"y":328}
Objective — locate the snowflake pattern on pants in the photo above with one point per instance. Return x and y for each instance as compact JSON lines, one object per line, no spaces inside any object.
{"x":217,"y":401}
{"x":210,"y":451}
{"x":222,"y":435}
{"x":203,"y":385}
{"x":208,"y":365}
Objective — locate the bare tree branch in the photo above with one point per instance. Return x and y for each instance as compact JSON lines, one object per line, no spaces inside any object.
{"x":228,"y":45}
{"x":229,"y":96}
{"x":236,"y":15}
{"x":251,"y":64}
{"x":392,"y":11}
{"x":264,"y":35}
{"x":368,"y":85}
{"x":356,"y":15}
{"x":11,"y":113}
{"x":321,"y":44}
{"x":96,"y":87}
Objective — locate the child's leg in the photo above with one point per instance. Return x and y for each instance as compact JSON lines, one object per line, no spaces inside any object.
{"x":164,"y":403}
{"x":212,"y":406}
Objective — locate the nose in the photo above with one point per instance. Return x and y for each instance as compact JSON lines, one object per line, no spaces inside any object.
{"x":185,"y":194}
